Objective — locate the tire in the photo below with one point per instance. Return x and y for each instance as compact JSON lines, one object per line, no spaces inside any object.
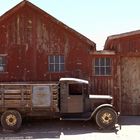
{"x":11,"y":120}
{"x":106,"y":118}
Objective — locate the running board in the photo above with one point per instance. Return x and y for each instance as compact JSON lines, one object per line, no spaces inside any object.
{"x":75,"y":119}
{"x":76,"y":116}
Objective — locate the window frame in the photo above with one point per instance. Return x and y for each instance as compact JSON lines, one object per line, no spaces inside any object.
{"x":102,"y":65}
{"x":4,"y":65}
{"x":56,"y":63}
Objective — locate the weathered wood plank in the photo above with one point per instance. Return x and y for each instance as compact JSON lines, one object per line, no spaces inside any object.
{"x":130,"y":85}
{"x":16,"y":103}
{"x":16,"y":96}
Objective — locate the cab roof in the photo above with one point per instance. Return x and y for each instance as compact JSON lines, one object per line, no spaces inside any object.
{"x":76,"y":80}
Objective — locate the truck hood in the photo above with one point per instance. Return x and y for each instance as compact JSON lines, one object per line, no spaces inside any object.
{"x":101,"y":97}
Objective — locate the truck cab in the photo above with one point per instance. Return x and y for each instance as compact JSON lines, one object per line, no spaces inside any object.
{"x":73,"y":94}
{"x":76,"y":103}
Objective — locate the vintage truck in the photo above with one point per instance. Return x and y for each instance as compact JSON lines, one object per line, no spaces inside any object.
{"x":67,"y":99}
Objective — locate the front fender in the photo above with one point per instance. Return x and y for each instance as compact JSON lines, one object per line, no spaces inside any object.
{"x":99,"y":107}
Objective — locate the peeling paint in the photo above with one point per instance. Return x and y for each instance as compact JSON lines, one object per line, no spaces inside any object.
{"x":30,"y":37}
{"x":18,"y":30}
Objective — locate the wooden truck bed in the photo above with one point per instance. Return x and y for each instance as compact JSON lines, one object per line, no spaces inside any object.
{"x":26,"y":97}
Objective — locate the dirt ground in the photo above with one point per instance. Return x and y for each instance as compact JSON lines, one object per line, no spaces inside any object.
{"x":74,"y":130}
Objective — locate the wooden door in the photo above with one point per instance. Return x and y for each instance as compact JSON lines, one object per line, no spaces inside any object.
{"x":130,"y":85}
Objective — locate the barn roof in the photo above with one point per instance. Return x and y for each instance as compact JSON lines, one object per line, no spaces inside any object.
{"x":25,"y":2}
{"x":127,"y":34}
{"x":120,"y":36}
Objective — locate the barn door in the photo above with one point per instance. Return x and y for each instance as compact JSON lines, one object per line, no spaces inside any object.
{"x":130,"y":85}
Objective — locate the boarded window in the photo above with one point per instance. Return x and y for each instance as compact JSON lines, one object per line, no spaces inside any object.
{"x":56,"y":63}
{"x":103,"y":66}
{"x":2,"y":64}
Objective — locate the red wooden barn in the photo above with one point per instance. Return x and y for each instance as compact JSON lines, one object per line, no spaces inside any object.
{"x":126,"y":71}
{"x":34,"y":46}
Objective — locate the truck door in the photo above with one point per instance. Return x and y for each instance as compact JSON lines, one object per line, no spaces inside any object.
{"x":75,"y":98}
{"x":73,"y":93}
{"x":71,"y":98}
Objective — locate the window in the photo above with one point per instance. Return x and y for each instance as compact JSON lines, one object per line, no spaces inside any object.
{"x":75,"y":89}
{"x":2,"y":64}
{"x":56,"y":63}
{"x":103,"y":66}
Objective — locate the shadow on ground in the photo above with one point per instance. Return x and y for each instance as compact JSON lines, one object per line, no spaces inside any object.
{"x":37,"y":129}
{"x":129,"y":120}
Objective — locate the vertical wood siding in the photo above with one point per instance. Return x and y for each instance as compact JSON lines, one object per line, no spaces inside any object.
{"x":28,"y":37}
{"x":130,"y":85}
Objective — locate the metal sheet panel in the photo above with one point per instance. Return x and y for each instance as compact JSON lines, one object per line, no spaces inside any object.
{"x":41,"y":96}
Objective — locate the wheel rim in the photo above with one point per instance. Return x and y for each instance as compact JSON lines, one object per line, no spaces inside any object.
{"x":106,"y":118}
{"x":11,"y":120}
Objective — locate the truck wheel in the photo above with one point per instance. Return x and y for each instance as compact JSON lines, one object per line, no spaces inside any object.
{"x":11,"y":120}
{"x":106,"y":118}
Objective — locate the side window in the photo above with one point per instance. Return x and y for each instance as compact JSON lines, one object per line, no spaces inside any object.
{"x":2,"y":63}
{"x":75,"y":89}
{"x":56,"y":63}
{"x":103,"y":66}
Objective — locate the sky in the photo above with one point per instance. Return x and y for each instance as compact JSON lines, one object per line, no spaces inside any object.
{"x":95,"y":19}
